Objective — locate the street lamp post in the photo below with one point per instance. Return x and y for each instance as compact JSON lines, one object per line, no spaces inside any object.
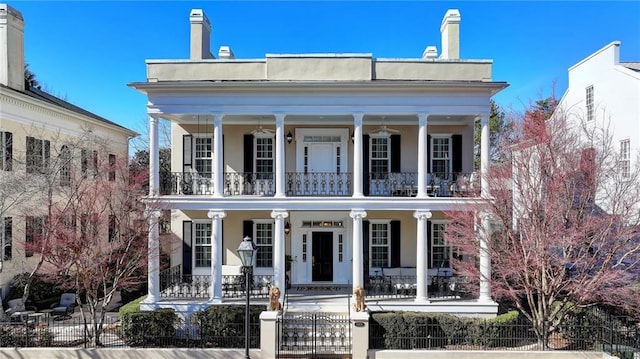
{"x":247,"y":253}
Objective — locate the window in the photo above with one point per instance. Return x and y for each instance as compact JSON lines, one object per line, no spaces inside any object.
{"x":112,"y":167}
{"x":88,"y":222}
{"x":379,"y":154}
{"x":6,"y":151}
{"x":7,"y":238}
{"x":204,"y":155}
{"x":113,"y":228}
{"x":203,"y":244}
{"x":440,"y":251}
{"x":589,"y":103}
{"x":264,"y":157}
{"x":380,"y":245}
{"x":33,"y":234}
{"x":88,"y":162}
{"x":38,"y":152}
{"x":625,"y":158}
{"x":65,"y":166}
{"x":441,"y":155}
{"x":264,"y":243}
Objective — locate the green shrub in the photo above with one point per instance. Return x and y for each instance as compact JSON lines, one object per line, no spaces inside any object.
{"x":149,"y":328}
{"x":222,"y":326}
{"x":131,"y":307}
{"x":392,"y":328}
{"x":423,"y":331}
{"x":20,"y":336}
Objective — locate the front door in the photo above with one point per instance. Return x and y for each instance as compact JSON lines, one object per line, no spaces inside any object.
{"x":321,"y":158}
{"x":322,"y":256}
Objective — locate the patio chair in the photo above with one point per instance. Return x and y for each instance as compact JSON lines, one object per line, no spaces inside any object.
{"x":15,"y":305}
{"x":65,"y":307}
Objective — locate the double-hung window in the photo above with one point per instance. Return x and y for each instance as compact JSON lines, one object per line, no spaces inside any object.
{"x":440,"y":155}
{"x":203,"y":244}
{"x":203,"y":155}
{"x":264,"y":157}
{"x":38,"y":152}
{"x":380,"y":155}
{"x":6,"y":151}
{"x":625,"y":159}
{"x":589,"y":103}
{"x":65,"y":166}
{"x":7,"y":238}
{"x":112,"y":167}
{"x":440,"y":250}
{"x":380,"y":241}
{"x":88,"y":162}
{"x":264,"y":244}
{"x":33,"y":234}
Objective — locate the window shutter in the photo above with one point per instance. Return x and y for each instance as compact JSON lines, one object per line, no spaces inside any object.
{"x":8,"y":151}
{"x":365,"y":250}
{"x":396,"y":158}
{"x":47,"y":155}
{"x":395,"y":244}
{"x":187,"y":155}
{"x":429,"y":249}
{"x":428,"y":154}
{"x":186,"y":247}
{"x":456,"y":154}
{"x":247,"y":229}
{"x":30,"y":154}
{"x":248,"y":153}
{"x":365,"y":165}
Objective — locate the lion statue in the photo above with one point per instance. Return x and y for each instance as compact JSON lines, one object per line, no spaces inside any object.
{"x":358,"y":304}
{"x":274,"y":302}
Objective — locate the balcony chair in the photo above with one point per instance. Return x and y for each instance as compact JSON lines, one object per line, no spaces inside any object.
{"x":65,"y":307}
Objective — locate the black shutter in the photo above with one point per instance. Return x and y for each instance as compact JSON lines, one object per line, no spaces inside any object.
{"x":8,"y":151}
{"x":247,"y":229}
{"x":30,"y":154}
{"x":456,"y":154}
{"x":428,"y":254}
{"x":187,"y":156}
{"x":365,"y":251}
{"x":248,"y":153}
{"x":395,"y":244}
{"x":365,"y":165}
{"x":428,"y":154}
{"x":47,"y":154}
{"x":396,"y":158}
{"x":187,"y":264}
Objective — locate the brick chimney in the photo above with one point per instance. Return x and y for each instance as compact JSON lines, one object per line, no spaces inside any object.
{"x":450,"y":30}
{"x":11,"y":47}
{"x":200,"y":35}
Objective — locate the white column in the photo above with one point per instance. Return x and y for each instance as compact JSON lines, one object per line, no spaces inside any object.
{"x":216,"y":255}
{"x":153,"y":258}
{"x":421,"y":255}
{"x":357,"y":155}
{"x":422,"y":155}
{"x":484,"y":156}
{"x":280,"y":167}
{"x":218,"y":156}
{"x":357,"y":215}
{"x":278,"y":248}
{"x":485,"y":261}
{"x":154,"y":158}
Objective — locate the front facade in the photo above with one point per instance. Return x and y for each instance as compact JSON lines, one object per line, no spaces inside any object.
{"x":338,"y":166}
{"x":37,"y":132}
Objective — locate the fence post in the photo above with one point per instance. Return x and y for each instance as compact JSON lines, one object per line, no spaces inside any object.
{"x":268,"y":334}
{"x":360,"y":334}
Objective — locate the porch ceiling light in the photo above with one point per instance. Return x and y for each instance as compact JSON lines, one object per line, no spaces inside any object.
{"x":287,"y":228}
{"x":289,"y":137}
{"x":247,"y":252}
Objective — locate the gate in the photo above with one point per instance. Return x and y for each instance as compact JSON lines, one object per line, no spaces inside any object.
{"x":314,"y":335}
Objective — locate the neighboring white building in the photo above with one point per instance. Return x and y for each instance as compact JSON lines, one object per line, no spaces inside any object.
{"x":604,"y":92}
{"x":38,"y":127}
{"x":344,"y":162}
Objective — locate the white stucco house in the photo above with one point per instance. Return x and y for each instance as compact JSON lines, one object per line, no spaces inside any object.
{"x":35,"y":128}
{"x":604,"y":93}
{"x":339,"y":164}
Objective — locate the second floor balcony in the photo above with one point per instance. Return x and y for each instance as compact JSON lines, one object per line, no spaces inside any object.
{"x":321,"y":184}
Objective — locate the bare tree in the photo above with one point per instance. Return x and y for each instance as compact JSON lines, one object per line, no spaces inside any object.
{"x":564,"y":223}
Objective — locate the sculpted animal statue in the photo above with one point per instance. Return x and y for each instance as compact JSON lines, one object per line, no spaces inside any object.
{"x":274,"y":302}
{"x":359,"y":305}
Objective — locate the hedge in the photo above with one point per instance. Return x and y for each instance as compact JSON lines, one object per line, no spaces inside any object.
{"x":222,"y":326}
{"x":149,"y":328}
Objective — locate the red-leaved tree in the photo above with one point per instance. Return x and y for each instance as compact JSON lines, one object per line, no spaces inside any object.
{"x":563,"y":220}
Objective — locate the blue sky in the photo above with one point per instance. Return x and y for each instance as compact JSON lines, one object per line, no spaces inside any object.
{"x":87,"y":51}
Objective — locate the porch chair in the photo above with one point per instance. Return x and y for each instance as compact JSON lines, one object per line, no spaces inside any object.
{"x":14,"y":306}
{"x":65,"y":307}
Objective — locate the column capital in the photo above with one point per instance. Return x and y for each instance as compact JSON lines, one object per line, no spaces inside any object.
{"x":217,"y":118}
{"x":358,"y":214}
{"x":357,"y":118}
{"x":422,"y":215}
{"x":279,"y":214}
{"x":422,"y":117}
{"x":216,"y":214}
{"x":280,"y":117}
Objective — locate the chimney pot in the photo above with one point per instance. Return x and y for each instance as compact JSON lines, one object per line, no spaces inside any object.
{"x":225,"y":52}
{"x":431,"y":52}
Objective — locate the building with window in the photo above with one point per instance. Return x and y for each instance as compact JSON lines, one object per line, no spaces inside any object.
{"x":603,"y":91}
{"x":39,"y":135}
{"x":338,"y":165}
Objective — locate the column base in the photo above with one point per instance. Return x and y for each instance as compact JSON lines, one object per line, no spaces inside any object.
{"x":214,"y":300}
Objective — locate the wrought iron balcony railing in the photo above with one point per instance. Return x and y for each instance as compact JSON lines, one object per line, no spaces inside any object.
{"x":318,"y":184}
